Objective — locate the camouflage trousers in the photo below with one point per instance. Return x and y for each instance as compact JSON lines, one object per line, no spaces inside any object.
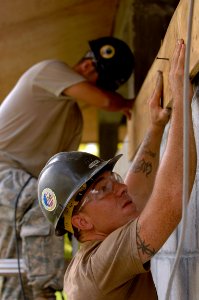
{"x":41,"y":250}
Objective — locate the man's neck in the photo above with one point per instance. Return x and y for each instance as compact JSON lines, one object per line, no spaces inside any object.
{"x":92,"y":236}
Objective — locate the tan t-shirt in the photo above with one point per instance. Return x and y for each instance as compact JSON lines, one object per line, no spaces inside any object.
{"x":110,"y":270}
{"x":36,"y":121}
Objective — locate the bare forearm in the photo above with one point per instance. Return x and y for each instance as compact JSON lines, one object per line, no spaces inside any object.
{"x":141,"y":175}
{"x":92,"y":95}
{"x":117,"y":102}
{"x":174,"y":154}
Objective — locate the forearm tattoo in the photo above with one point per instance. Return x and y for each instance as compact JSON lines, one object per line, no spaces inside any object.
{"x":149,"y":152}
{"x":143,"y":247}
{"x":142,"y":166}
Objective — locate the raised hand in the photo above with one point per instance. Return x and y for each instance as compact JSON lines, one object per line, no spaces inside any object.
{"x":159,"y":116}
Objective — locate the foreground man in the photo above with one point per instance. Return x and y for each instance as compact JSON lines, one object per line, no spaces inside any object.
{"x":121,"y":225}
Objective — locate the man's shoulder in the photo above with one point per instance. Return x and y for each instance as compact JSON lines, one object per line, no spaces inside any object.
{"x":50,"y":69}
{"x":49,"y":63}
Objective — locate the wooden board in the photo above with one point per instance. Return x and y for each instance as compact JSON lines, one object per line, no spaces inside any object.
{"x":177,"y":29}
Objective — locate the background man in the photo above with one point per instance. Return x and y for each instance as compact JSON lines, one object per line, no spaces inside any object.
{"x":39,"y":118}
{"x":121,"y":225}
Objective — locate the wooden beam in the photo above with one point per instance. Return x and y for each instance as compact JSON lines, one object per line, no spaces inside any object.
{"x":177,"y":29}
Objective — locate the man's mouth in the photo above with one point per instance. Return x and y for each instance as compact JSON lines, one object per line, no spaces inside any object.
{"x":126,"y":203}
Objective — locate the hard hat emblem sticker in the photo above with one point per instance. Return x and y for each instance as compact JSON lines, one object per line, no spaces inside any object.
{"x":94,"y":163}
{"x":107,"y":51}
{"x":48,"y":199}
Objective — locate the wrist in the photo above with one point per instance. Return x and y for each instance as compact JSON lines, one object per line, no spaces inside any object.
{"x":157,"y":128}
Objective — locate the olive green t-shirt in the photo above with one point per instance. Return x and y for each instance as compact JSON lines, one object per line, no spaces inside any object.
{"x":110,"y":270}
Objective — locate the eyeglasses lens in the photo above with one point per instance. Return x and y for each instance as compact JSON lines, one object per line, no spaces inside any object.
{"x":105,"y":186}
{"x":102,"y":188}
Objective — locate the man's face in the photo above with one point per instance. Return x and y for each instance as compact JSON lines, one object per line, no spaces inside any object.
{"x":108,"y":204}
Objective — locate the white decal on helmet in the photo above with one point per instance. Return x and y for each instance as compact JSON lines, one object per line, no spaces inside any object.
{"x":48,"y":199}
{"x":94,"y":163}
{"x":107,"y":51}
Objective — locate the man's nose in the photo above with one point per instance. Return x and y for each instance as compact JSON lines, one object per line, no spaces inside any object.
{"x":119,"y":188}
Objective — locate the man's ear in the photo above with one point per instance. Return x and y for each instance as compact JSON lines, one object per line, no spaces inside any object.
{"x":82,"y":222}
{"x":86,"y":66}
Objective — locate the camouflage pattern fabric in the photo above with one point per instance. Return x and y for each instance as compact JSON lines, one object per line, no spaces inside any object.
{"x":41,"y":250}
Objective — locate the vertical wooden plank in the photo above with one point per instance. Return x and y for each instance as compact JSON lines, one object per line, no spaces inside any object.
{"x":177,"y":29}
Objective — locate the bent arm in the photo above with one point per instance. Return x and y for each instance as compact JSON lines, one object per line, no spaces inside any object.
{"x":164,"y":208}
{"x":90,"y":94}
{"x":141,"y":175}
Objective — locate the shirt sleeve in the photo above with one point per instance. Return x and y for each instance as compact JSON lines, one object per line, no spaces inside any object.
{"x":56,"y":76}
{"x":117,"y":257}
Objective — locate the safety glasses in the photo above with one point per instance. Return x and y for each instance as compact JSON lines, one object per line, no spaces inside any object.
{"x":101,"y":188}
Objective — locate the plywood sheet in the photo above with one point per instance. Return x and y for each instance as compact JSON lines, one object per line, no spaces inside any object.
{"x":177,"y":29}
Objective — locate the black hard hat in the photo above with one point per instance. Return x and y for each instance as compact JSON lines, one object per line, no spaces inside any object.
{"x":114,"y":62}
{"x":62,"y":178}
